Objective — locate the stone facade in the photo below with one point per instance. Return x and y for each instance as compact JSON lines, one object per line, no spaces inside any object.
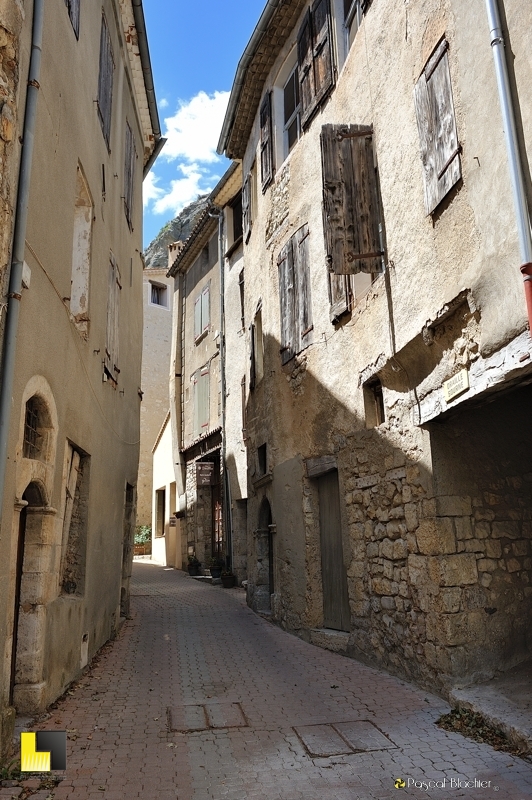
{"x":68,"y":513}
{"x":430,"y":533}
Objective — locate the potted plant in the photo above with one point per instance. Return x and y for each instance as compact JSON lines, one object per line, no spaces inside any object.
{"x":142,"y":544}
{"x":193,"y":565}
{"x":216,"y":566}
{"x":228,"y":579}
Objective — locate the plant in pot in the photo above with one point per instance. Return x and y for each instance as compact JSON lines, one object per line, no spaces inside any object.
{"x":193,"y":565}
{"x":142,"y":540}
{"x":228,"y":579}
{"x":216,"y":566}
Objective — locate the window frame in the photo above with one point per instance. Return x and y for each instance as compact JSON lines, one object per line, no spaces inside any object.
{"x":158,"y":286}
{"x":202,"y":302}
{"x":104,"y":100}
{"x":202,"y":400}
{"x":130,"y":157}
{"x":74,"y":12}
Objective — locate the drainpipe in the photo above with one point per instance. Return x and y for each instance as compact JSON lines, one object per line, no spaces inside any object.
{"x":227,"y":514}
{"x":19,"y":237}
{"x":512,"y":148}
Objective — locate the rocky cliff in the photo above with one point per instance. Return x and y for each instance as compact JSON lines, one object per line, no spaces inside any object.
{"x":178,"y":229}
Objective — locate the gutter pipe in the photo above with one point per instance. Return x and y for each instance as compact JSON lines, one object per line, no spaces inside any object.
{"x":142,"y":38}
{"x":241,"y":70}
{"x":19,"y":238}
{"x":512,"y":148}
{"x":227,"y":514}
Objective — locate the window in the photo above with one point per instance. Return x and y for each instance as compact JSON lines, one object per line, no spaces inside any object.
{"x":201,"y":401}
{"x":32,"y":424}
{"x":249,"y":201}
{"x":373,"y":403}
{"x":315,"y":60}
{"x":236,"y":208}
{"x":81,"y":255}
{"x":294,"y":295}
{"x":352,"y":20}
{"x":105,"y":82}
{"x":129,"y":174}
{"x":257,"y":350}
{"x":440,"y":149}
{"x":113,"y":307}
{"x":243,"y":401}
{"x":75,"y":520}
{"x":73,"y":13}
{"x":266,"y":142}
{"x":262,"y":460}
{"x":158,"y":294}
{"x":202,"y":313}
{"x":291,"y":107}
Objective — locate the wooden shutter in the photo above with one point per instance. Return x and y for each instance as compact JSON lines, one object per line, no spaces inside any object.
{"x":300,"y":243}
{"x":266,"y":142}
{"x":205,"y":309}
{"x":197,"y":318}
{"x":339,"y":295}
{"x":73,"y":13}
{"x":305,"y":53}
{"x":246,"y":208}
{"x":204,"y":399}
{"x":113,"y":305}
{"x":289,"y":326}
{"x":129,"y":173}
{"x":105,"y":81}
{"x":322,"y":49}
{"x":351,"y":213}
{"x":440,"y":149}
{"x":252,"y":358}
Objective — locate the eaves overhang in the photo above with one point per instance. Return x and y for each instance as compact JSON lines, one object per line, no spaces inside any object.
{"x":272,"y":31}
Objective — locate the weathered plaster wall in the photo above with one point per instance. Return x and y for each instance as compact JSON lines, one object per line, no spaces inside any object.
{"x":156,"y":347}
{"x":166,"y":549}
{"x":451,"y":297}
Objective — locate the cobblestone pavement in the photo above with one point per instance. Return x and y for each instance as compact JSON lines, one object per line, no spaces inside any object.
{"x":200,"y":699}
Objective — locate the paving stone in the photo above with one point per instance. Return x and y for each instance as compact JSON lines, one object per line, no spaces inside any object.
{"x":363,"y":736}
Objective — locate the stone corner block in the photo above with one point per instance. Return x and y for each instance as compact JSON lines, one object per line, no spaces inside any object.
{"x":436,"y":536}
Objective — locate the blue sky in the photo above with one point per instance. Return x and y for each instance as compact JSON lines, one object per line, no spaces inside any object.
{"x":194,"y":48}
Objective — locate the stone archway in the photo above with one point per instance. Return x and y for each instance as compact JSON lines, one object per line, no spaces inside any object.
{"x":34,"y":565}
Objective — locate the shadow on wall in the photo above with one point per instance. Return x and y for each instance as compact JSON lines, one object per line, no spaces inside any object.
{"x":431,"y":529}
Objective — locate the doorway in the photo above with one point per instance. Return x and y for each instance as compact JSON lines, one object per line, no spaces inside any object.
{"x":336,"y":612}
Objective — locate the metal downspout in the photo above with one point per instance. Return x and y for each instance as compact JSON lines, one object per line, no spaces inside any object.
{"x":512,"y":148}
{"x":19,"y":238}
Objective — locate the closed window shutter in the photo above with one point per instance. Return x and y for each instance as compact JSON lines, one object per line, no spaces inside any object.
{"x":307,"y":87}
{"x":205,"y":309}
{"x":129,"y":173}
{"x":289,"y":325}
{"x":204,"y":386}
{"x":73,"y":13}
{"x":197,"y":318}
{"x":246,"y":208}
{"x":266,"y":143}
{"x":323,"y":61}
{"x":351,"y":213}
{"x":196,"y":404}
{"x":300,"y":241}
{"x":105,"y":81}
{"x":252,"y":358}
{"x":113,"y":305}
{"x":440,"y":149}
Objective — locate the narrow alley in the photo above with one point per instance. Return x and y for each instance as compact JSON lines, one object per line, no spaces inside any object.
{"x":199,"y":698}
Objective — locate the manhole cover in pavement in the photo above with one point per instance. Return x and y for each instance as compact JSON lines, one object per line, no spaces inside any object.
{"x":342,"y":738}
{"x":185,"y":719}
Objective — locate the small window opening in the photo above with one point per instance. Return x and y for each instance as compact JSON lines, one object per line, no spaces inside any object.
{"x":262,"y":460}
{"x":160,"y":510}
{"x":236,"y":207}
{"x":32,"y":435}
{"x":374,"y":403}
{"x":292,"y":123}
{"x":352,"y":20}
{"x":158,"y":295}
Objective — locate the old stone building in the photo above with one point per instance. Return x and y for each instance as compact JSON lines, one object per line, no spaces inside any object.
{"x":85,"y":113}
{"x":389,"y":472}
{"x":206,"y":476}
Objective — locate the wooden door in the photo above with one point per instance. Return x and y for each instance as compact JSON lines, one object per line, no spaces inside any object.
{"x":336,"y":612}
{"x":217,"y":523}
{"x":18,"y":585}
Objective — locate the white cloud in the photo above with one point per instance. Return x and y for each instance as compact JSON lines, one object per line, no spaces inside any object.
{"x":184,"y":190}
{"x":150,"y":191}
{"x":194,"y":129}
{"x":163,"y":102}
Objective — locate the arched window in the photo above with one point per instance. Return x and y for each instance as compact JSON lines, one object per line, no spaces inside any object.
{"x":36,"y":425}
